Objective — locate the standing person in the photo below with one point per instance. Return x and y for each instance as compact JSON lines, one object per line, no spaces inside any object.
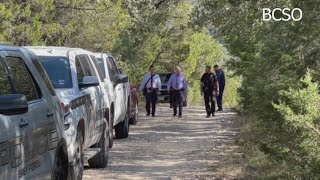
{"x":222,"y":82}
{"x":209,"y":89}
{"x":179,"y":86}
{"x":151,"y":85}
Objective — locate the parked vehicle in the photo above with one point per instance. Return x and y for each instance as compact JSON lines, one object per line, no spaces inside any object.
{"x":32,"y":141}
{"x":134,"y":105}
{"x":164,"y":96}
{"x":78,"y":83}
{"x":120,"y":97}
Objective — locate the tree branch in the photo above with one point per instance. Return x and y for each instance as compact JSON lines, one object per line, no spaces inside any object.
{"x":313,"y":128}
{"x":154,"y":61}
{"x":76,"y":8}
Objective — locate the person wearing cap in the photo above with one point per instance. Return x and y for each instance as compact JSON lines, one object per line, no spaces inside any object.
{"x":151,"y":86}
{"x":209,"y":88}
{"x":179,"y":86}
{"x":221,"y":79}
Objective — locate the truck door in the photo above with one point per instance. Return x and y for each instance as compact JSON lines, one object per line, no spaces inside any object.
{"x":84,"y":68}
{"x":26,"y":135}
{"x":120,"y":108}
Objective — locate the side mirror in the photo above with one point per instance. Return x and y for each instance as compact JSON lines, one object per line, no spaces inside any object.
{"x":13,"y":104}
{"x":121,"y":79}
{"x":89,"y":81}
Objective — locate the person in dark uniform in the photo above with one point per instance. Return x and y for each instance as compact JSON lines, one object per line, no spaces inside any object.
{"x":209,"y":89}
{"x":222,"y":81}
{"x":151,"y":85}
{"x":179,"y":86}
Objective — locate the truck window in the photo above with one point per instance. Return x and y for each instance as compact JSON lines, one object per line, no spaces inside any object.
{"x":58,"y":70}
{"x":80,"y":73}
{"x":84,"y":67}
{"x":101,"y":65}
{"x":5,"y":87}
{"x":21,"y":78}
{"x":113,"y":70}
{"x":164,"y":78}
{"x":95,"y":63}
{"x":44,"y":76}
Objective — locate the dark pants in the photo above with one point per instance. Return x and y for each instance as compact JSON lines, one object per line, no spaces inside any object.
{"x":219,"y":99}
{"x":171,"y":98}
{"x":177,"y":98}
{"x":151,"y":98}
{"x":210,"y":99}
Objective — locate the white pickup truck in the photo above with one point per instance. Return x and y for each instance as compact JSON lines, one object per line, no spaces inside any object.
{"x":119,"y":91}
{"x":32,"y":139}
{"x":78,"y":81}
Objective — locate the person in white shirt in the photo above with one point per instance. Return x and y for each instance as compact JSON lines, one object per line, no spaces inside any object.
{"x":151,"y":86}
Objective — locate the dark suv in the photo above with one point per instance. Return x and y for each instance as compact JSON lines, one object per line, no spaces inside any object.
{"x":164,"y":96}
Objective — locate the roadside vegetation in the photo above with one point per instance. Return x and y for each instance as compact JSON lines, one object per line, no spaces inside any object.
{"x":279,"y":96}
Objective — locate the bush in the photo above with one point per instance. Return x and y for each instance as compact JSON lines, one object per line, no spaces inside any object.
{"x":300,"y":110}
{"x":286,"y":146}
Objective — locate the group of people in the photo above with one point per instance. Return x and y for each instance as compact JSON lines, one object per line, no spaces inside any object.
{"x":211,"y":87}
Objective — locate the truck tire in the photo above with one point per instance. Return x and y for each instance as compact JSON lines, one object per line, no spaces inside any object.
{"x":122,"y":129}
{"x":100,"y":160}
{"x":134,"y":119}
{"x":76,"y":170}
{"x":60,"y":169}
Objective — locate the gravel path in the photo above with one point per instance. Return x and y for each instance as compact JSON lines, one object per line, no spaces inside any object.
{"x":164,"y":147}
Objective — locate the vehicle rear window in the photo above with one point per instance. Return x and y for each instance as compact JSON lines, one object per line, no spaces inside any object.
{"x":164,"y":78}
{"x":58,"y":70}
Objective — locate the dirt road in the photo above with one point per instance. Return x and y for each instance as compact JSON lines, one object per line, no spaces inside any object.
{"x":164,"y":147}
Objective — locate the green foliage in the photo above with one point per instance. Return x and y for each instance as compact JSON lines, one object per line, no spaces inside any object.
{"x":93,"y":26}
{"x":138,"y":33}
{"x":300,"y":111}
{"x":164,"y":36}
{"x":21,"y":22}
{"x":272,"y":57}
{"x":302,"y":107}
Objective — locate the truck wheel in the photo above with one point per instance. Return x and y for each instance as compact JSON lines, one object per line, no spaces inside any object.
{"x":122,"y":129}
{"x":100,"y":160}
{"x":60,"y":170}
{"x":76,"y":171}
{"x":134,"y":119}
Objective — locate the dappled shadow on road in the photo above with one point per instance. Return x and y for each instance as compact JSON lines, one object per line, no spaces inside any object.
{"x":164,"y":147}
